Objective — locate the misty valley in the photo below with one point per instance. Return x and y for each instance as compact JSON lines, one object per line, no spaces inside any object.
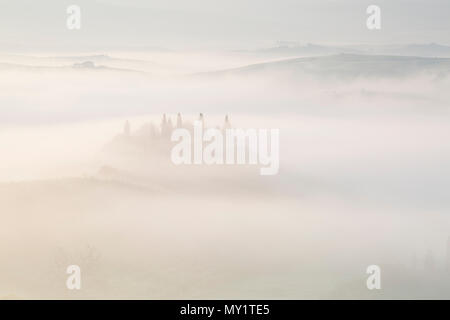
{"x":359,"y":173}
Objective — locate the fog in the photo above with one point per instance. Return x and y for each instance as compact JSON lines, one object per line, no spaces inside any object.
{"x":364,"y":178}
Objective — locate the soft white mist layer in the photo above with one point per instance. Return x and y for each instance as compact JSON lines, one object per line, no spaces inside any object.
{"x":363,"y":180}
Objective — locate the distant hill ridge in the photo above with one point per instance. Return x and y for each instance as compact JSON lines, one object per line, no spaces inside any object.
{"x":345,"y":65}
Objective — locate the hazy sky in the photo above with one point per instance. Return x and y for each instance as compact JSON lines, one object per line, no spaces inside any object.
{"x":32,"y":25}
